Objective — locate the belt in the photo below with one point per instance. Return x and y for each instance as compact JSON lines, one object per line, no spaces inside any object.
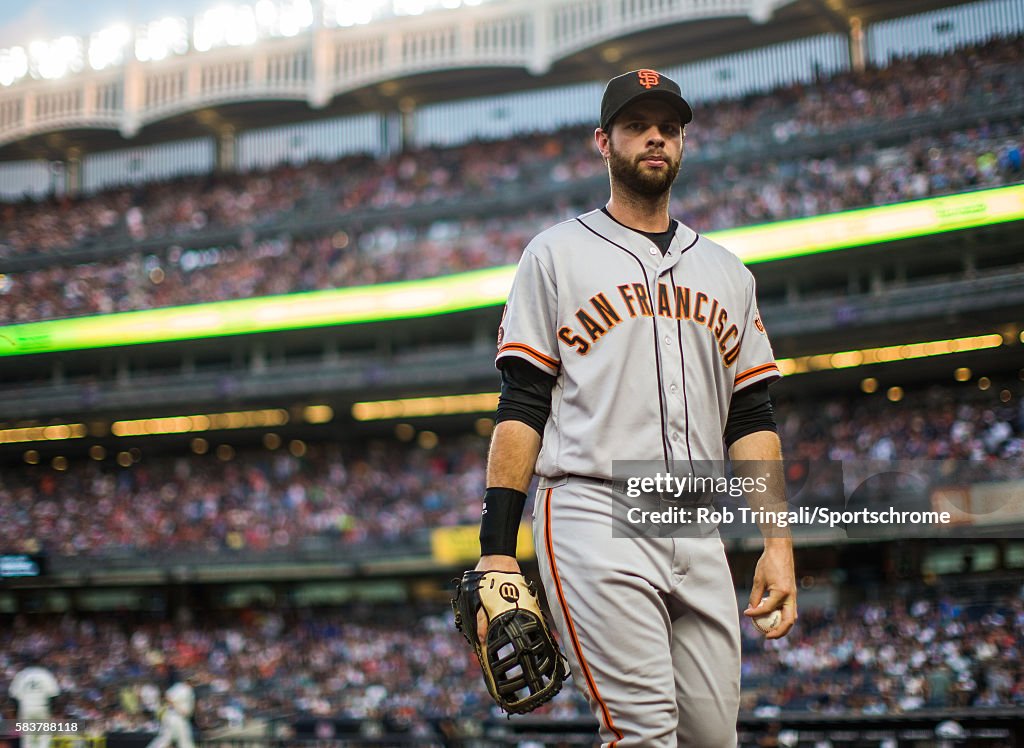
{"x":619,"y":486}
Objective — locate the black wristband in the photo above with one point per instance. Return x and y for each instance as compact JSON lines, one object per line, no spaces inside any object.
{"x":499,"y":521}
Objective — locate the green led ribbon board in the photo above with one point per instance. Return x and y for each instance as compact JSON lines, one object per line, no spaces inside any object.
{"x":486,"y":288}
{"x":864,"y":226}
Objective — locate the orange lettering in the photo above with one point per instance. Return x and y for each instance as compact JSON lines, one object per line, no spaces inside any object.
{"x":628,"y":298}
{"x":590,"y":325}
{"x":714,"y":311}
{"x":641,"y":297}
{"x":723,"y":317}
{"x":664,"y":305}
{"x":697,"y":315}
{"x":606,"y":310}
{"x":732,"y":332}
{"x":730,"y":357}
{"x":682,"y":302}
{"x":567,"y":336}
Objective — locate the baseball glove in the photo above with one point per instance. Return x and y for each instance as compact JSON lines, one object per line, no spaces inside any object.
{"x":522,"y":665}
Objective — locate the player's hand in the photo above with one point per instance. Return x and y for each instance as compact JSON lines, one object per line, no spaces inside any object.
{"x":775,"y":586}
{"x":492,"y":563}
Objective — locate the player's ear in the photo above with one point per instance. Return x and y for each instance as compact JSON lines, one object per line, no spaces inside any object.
{"x":601,"y":138}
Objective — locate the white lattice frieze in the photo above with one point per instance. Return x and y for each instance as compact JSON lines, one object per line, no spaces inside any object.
{"x":324,"y":62}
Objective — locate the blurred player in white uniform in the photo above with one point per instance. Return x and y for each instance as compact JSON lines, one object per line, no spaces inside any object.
{"x":33,"y":688}
{"x":174,"y":725}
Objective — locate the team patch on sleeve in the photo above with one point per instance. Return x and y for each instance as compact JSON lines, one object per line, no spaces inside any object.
{"x":758,"y":323}
{"x":501,"y":327}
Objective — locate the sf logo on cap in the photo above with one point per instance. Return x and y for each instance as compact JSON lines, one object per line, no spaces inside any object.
{"x":648,"y":78}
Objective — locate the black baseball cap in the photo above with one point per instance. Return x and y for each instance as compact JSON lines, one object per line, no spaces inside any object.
{"x":624,"y":89}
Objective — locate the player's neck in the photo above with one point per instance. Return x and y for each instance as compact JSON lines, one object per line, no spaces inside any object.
{"x":639,"y":212}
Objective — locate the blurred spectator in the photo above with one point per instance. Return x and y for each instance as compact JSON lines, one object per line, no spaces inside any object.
{"x":175,"y":728}
{"x":34,"y":688}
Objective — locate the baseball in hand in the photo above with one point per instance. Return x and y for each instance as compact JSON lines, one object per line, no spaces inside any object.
{"x":768,"y":621}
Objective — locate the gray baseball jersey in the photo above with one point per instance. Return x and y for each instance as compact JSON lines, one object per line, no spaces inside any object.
{"x":647,"y":349}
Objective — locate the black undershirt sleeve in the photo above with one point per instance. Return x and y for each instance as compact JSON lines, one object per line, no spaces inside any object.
{"x":525,"y":394}
{"x":749,"y":412}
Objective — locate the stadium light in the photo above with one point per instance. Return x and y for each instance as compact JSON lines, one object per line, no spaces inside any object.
{"x":224,"y":25}
{"x":106,"y":47}
{"x":211,"y":28}
{"x":887,"y":354}
{"x":294,"y":16}
{"x":358,"y":12}
{"x":418,"y":7}
{"x":266,"y":16}
{"x":350,"y":12}
{"x":409,"y":7}
{"x":236,"y":25}
{"x":244,"y":29}
{"x":420,"y":407}
{"x":243,"y":419}
{"x":318,"y":413}
{"x":157,"y":40}
{"x":52,"y":60}
{"x":13,"y":65}
{"x":58,"y":432}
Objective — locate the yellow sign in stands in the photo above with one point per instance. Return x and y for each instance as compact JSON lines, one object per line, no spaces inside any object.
{"x":456,"y":545}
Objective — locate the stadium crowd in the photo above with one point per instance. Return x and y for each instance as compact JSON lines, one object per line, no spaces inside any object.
{"x":891,"y":656}
{"x":387,"y":492}
{"x":937,"y":423}
{"x":741,"y":194}
{"x":259,"y":501}
{"x":398,"y":669}
{"x":982,"y":75}
{"x":747,"y":189}
{"x":255,"y":665}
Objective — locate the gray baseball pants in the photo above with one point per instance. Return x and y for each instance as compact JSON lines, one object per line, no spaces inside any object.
{"x":650,"y":625}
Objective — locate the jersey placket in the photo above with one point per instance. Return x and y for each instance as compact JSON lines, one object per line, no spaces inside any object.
{"x":669,"y":354}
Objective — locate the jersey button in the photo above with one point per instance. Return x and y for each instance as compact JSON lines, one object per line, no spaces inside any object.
{"x":653,"y":251}
{"x":668,"y":340}
{"x":673,"y":389}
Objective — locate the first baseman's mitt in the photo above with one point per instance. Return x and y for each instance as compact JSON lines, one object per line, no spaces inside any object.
{"x":522,"y":665}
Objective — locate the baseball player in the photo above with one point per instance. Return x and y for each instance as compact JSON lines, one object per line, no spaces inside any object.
{"x":174,"y":723}
{"x":629,"y":336}
{"x":33,"y":688}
